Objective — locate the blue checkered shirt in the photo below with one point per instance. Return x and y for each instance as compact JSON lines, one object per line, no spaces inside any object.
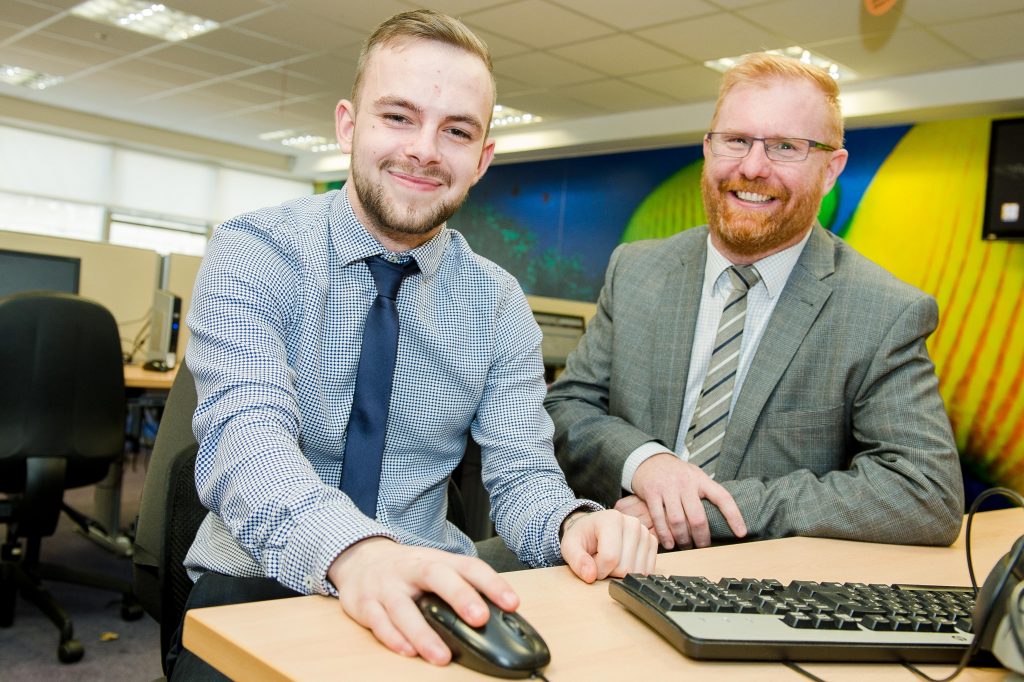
{"x":277,"y":321}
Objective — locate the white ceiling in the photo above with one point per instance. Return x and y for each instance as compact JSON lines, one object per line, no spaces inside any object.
{"x":604,"y":74}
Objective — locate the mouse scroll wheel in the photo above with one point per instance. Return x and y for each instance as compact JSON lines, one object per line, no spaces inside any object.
{"x":513,"y":623}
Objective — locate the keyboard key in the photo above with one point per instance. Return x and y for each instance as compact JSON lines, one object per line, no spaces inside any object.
{"x":876,"y":622}
{"x":798,"y":620}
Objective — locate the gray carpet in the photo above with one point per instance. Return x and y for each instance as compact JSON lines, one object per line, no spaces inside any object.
{"x":114,"y":649}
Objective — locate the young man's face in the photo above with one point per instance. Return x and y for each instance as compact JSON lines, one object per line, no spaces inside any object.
{"x":757,"y":206}
{"x":417,"y":136}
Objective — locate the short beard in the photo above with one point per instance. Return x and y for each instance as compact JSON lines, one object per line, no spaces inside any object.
{"x":756,"y":235}
{"x":392,"y":222}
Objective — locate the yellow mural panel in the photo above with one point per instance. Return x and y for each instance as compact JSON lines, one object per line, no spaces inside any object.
{"x":921,"y":219}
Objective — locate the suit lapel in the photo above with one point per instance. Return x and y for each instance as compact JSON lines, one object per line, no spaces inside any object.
{"x":798,"y":307}
{"x":680,"y":293}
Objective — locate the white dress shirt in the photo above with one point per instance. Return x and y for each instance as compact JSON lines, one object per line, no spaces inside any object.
{"x":774,"y":271}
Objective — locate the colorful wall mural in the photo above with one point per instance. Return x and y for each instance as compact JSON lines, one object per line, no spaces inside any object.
{"x":911,"y":199}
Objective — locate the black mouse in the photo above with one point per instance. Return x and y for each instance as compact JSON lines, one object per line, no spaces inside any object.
{"x":156,"y":366}
{"x":506,"y":646}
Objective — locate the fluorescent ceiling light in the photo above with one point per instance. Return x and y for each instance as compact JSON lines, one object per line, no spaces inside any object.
{"x":152,"y":19}
{"x":27,"y":78}
{"x":839,"y":73}
{"x":505,"y":117}
{"x":277,"y":134}
{"x":310,"y":143}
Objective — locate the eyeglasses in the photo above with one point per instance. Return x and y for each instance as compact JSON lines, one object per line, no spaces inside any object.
{"x":737,"y":146}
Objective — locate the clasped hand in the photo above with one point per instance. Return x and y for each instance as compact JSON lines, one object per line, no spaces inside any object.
{"x":667,"y":500}
{"x":378,"y":580}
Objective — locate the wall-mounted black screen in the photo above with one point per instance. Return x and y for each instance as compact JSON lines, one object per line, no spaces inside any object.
{"x":22,"y":271}
{"x":1004,"y":196}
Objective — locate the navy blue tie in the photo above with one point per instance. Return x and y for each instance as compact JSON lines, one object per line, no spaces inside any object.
{"x":367,"y":424}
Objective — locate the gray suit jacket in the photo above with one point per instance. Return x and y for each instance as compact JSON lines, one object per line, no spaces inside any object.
{"x":839,"y":429}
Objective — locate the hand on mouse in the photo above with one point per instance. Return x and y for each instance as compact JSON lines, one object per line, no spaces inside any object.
{"x":378,"y":581}
{"x":597,"y":545}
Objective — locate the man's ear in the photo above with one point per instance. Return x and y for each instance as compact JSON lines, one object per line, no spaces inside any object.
{"x":345,"y":124}
{"x":835,"y":166}
{"x":486,"y":156}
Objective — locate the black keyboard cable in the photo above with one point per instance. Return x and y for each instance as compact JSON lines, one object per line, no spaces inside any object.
{"x":979,"y":627}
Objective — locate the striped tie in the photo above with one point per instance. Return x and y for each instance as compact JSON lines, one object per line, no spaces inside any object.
{"x":704,"y":439}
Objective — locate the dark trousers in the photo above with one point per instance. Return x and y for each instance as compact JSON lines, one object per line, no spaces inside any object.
{"x":214,"y":589}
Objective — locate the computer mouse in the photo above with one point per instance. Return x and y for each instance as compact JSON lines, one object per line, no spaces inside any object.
{"x":506,"y":646}
{"x":156,"y":366}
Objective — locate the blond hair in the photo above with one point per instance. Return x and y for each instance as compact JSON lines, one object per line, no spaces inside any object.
{"x":761,"y":67}
{"x":422,"y":24}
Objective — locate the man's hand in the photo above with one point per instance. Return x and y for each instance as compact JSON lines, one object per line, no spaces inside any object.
{"x":379,"y":580}
{"x":672,"y":490}
{"x":607,"y":543}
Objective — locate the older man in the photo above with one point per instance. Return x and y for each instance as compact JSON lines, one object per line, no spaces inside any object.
{"x":757,"y":377}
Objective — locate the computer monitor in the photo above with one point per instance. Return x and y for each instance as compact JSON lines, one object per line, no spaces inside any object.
{"x":1004,"y":194}
{"x":165,"y":319}
{"x":22,"y":271}
{"x":561,"y":334}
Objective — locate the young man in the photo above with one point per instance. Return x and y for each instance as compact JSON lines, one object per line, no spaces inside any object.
{"x":756,"y":377}
{"x":288,"y":371}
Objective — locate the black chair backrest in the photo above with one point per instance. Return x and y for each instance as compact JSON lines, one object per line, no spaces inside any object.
{"x":170,"y":513}
{"x":62,"y":392}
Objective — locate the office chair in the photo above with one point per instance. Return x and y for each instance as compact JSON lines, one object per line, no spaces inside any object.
{"x":170,"y":512}
{"x":62,"y":408}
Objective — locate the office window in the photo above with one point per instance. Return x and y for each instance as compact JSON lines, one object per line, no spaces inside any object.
{"x":36,"y":215}
{"x":163,"y":236}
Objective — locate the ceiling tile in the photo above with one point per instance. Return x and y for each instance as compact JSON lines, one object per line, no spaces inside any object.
{"x":946,"y":11}
{"x":103,"y":36}
{"x":718,"y":35}
{"x":456,"y":8}
{"x":245,"y":46}
{"x":551,"y":106}
{"x":905,"y":52}
{"x":362,"y":16}
{"x":543,"y":70}
{"x":334,"y":71}
{"x":619,"y":54}
{"x":536,"y":23}
{"x":288,"y":82}
{"x":694,"y":83}
{"x":222,"y":10}
{"x":294,"y":27}
{"x":46,"y":43}
{"x":157,"y":71}
{"x":992,"y":38}
{"x":25,"y":14}
{"x":499,"y":46}
{"x":195,"y":57}
{"x":803,"y":21}
{"x":640,"y":13}
{"x":58,"y":65}
{"x":613,"y":95}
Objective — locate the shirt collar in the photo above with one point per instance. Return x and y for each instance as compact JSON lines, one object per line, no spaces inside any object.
{"x":354,"y":243}
{"x":774,"y":269}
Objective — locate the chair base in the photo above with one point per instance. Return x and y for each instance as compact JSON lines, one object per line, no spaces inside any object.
{"x":24,"y":578}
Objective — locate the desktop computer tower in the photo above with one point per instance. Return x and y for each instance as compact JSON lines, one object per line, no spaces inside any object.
{"x":165,"y":319}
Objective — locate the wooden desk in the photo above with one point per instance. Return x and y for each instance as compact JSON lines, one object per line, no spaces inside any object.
{"x":592,"y":637}
{"x":136,"y":377}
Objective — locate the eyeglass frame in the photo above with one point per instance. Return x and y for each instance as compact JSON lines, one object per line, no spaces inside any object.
{"x":813,"y":144}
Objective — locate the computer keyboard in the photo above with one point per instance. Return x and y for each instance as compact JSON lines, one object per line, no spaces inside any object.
{"x":766,"y":620}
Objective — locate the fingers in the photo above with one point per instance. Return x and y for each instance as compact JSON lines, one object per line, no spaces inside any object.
{"x":379,"y":581}
{"x":631,"y":505}
{"x":609,"y":543}
{"x":720,"y":497}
